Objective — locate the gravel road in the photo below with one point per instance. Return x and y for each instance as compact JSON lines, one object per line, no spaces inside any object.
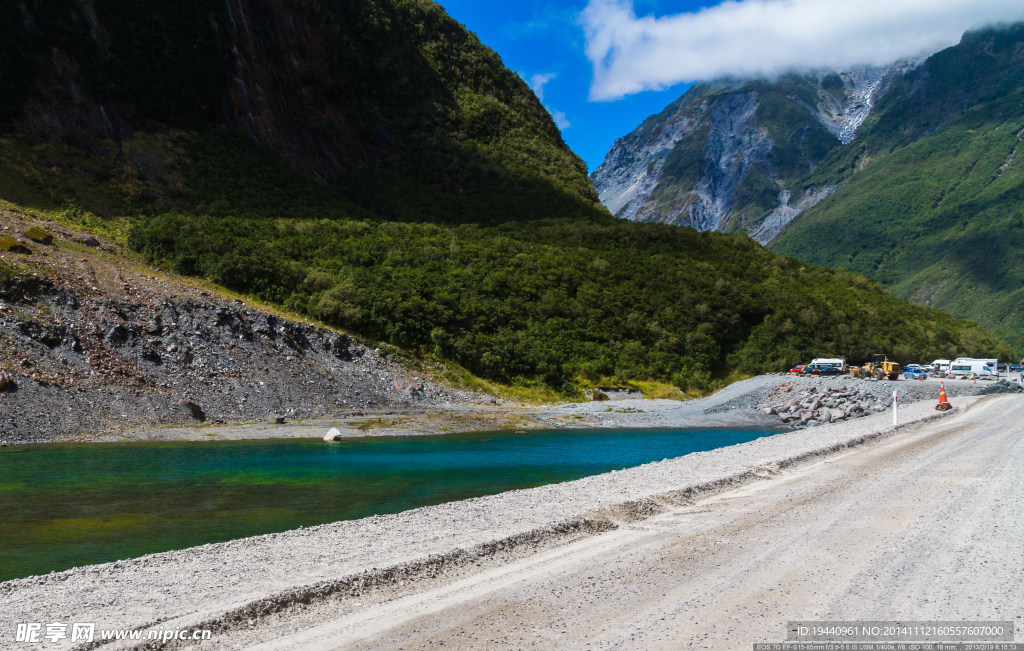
{"x":262,"y":589}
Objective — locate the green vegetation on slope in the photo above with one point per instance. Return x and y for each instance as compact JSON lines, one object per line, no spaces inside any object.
{"x":561,"y":298}
{"x":930,"y":189}
{"x":399,"y":182}
{"x":390,"y":103}
{"x":933,"y":201}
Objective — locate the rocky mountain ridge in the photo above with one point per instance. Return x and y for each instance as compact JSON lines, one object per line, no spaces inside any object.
{"x":908,"y":174}
{"x":711,"y":160}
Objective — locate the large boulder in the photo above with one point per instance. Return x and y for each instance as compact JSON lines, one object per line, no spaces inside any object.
{"x":13,"y":246}
{"x":6,"y":381}
{"x":39,"y":235}
{"x":332,"y":435}
{"x":193,"y":410}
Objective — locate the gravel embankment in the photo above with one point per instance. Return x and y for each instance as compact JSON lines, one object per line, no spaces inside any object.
{"x":235,"y":584}
{"x":744,"y":404}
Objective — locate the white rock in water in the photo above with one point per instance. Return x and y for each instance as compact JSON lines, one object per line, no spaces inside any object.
{"x":332,"y":434}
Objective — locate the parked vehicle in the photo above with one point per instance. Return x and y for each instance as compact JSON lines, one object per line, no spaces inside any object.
{"x":914,"y":367}
{"x":940,"y":366}
{"x":967,"y":366}
{"x":915,"y":374}
{"x":821,"y":369}
{"x":879,"y":367}
{"x":799,"y":368}
{"x":835,"y":362}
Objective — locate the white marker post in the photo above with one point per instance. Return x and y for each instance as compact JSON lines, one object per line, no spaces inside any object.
{"x":895,"y":410}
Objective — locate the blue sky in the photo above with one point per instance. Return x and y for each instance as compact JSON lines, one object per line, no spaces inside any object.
{"x":602,"y":66}
{"x":540,"y":37}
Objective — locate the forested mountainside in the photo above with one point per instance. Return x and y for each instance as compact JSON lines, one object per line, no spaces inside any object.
{"x":390,"y":104}
{"x":907,"y":173}
{"x":930,"y":197}
{"x":373,"y":166}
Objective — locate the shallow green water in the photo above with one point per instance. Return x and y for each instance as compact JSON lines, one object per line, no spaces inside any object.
{"x":68,"y":505}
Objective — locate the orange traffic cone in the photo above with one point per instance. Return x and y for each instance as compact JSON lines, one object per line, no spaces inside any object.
{"x":943,"y":403}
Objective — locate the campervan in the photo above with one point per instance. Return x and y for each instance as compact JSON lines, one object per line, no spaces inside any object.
{"x":964,"y":366}
{"x":838,"y":363}
{"x":939,"y":366}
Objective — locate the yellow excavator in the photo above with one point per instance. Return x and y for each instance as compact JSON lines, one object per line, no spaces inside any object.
{"x":879,"y":368}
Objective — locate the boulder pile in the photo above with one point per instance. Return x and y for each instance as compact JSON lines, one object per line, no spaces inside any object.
{"x":1003,"y":386}
{"x":814,"y":406}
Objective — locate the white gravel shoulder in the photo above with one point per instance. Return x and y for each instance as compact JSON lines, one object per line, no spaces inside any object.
{"x":216,"y":584}
{"x":733,"y":406}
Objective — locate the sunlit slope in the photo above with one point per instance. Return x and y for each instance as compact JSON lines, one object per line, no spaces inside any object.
{"x":933,"y":198}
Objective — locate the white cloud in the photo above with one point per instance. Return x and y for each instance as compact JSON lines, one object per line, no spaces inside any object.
{"x":747,"y":38}
{"x":537,"y":83}
{"x":561,"y":121}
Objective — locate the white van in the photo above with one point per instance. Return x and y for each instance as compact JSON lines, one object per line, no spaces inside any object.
{"x":939,"y":365}
{"x":965,"y":366}
{"x":836,"y":362}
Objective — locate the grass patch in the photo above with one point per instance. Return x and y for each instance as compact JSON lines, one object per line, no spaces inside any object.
{"x":379,"y":423}
{"x":659,"y":390}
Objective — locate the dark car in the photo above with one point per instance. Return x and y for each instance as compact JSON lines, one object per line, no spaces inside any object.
{"x":820,"y":369}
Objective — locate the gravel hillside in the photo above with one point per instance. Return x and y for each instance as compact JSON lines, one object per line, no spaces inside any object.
{"x":91,"y":342}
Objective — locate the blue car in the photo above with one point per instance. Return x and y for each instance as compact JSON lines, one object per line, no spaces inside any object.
{"x":915,"y":374}
{"x":820,"y":369}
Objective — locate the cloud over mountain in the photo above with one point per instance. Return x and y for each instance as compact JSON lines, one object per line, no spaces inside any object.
{"x":747,"y":38}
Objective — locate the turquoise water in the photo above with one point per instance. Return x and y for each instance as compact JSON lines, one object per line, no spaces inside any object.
{"x":68,"y":505}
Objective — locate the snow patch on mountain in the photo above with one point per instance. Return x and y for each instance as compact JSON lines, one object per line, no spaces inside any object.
{"x":843,"y":110}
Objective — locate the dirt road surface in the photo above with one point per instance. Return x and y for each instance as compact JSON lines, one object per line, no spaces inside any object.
{"x":926,"y":525}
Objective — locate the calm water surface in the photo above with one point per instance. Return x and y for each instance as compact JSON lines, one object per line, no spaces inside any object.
{"x":68,"y":505}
